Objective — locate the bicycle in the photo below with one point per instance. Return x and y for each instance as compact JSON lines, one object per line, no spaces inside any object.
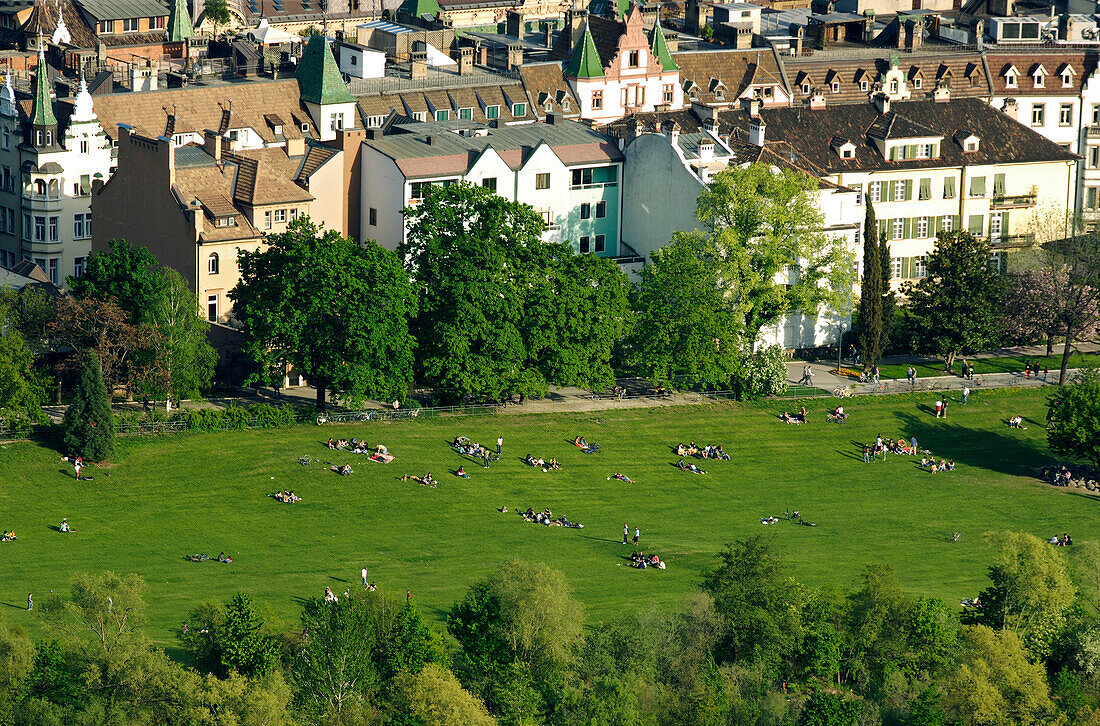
{"x":305,"y":460}
{"x":842,"y":392}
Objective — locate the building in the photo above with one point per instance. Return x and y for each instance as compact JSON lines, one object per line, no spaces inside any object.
{"x":569,"y":173}
{"x":50,"y":155}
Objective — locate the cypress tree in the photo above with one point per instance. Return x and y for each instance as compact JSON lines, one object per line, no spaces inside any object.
{"x":871,"y":292}
{"x":89,"y":422}
{"x":889,"y":301}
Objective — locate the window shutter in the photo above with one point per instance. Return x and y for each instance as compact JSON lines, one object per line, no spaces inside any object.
{"x":933,"y":226}
{"x":907,"y":267}
{"x":949,"y":188}
{"x":890,"y":188}
{"x":908,"y":190}
{"x":957,"y":223}
{"x":1004,"y":226}
{"x":908,"y":228}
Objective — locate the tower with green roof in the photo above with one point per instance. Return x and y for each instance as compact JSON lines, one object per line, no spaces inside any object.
{"x":179,"y":22}
{"x":43,"y":121}
{"x":419,"y":8}
{"x":585,"y":61}
{"x":323,"y":91}
{"x":659,"y":48}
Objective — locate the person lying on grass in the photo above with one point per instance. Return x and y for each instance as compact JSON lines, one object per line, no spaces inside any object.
{"x":787,"y":418}
{"x":580,"y":442}
{"x":689,"y":467}
{"x":286,"y":497}
{"x":344,"y":470}
{"x":620,"y":477}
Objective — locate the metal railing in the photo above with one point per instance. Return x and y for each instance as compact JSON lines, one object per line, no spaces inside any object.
{"x":1003,"y":201}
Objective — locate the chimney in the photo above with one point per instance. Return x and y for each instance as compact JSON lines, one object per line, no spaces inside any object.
{"x":799,"y":39}
{"x":757,"y":131}
{"x":552,"y":118}
{"x":429,"y":140}
{"x":212,"y":142}
{"x":882,"y":103}
{"x":752,"y":105}
{"x":418,"y":67}
{"x":1011,"y":108}
{"x":465,"y":61}
{"x":672,"y":41}
{"x":548,"y":33}
{"x":674,"y":134}
{"x":515,"y":56}
{"x":706,"y":149}
{"x":817,"y":100}
{"x":941,"y":93}
{"x":743,"y":39}
{"x":295,"y":147}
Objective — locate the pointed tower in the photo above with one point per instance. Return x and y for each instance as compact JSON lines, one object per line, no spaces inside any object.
{"x":659,"y":49}
{"x":7,"y":98}
{"x":43,"y":123}
{"x":323,"y":90}
{"x":179,"y":22}
{"x":585,"y":62}
{"x":83,"y":107}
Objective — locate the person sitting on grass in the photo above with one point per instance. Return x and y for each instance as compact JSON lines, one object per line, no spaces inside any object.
{"x":553,"y":464}
{"x":580,"y":442}
{"x":222,"y":557}
{"x":331,"y":443}
{"x":64,"y":527}
{"x":838,"y":414}
{"x":9,"y":536}
{"x":530,"y":460}
{"x":427,"y":480}
{"x":720,"y":454}
{"x":621,"y":477}
{"x":924,"y":462}
{"x":802,"y":415}
{"x":681,"y":450}
{"x":344,"y":470}
{"x":1016,"y":422}
{"x":462,"y":473}
{"x":950,"y":465}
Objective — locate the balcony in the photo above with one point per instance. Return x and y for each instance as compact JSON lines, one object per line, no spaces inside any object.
{"x":1018,"y":201}
{"x":1093,"y":132}
{"x":1012,"y":241}
{"x":42,"y":202}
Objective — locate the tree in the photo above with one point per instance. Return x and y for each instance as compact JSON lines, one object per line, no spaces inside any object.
{"x":331,"y":665}
{"x":22,"y":388}
{"x":955,"y":307}
{"x":1086,"y":570}
{"x":830,"y":709}
{"x":871,"y":293}
{"x":434,"y":697}
{"x":125,"y":272}
{"x":181,"y":349}
{"x":89,"y":421}
{"x":758,"y":603}
{"x":574,"y":317}
{"x":336,"y":311}
{"x":245,"y":647}
{"x":1030,"y":590}
{"x":768,"y":233}
{"x":688,"y":322}
{"x":101,"y":326}
{"x":1075,"y":417}
{"x":218,"y":13}
{"x":996,"y":683}
{"x":473,"y":255}
{"x":1071,"y":266}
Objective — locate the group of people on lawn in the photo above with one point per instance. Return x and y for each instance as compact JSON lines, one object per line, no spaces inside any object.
{"x":934,"y":466}
{"x":286,"y":497}
{"x":881,"y":446}
{"x":1064,"y":541}
{"x":541,"y":463}
{"x":643,"y":562}
{"x":705,"y":452}
{"x":798,"y":418}
{"x":547,"y":517}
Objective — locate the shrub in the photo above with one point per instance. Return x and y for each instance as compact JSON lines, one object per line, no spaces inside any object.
{"x":762,"y":374}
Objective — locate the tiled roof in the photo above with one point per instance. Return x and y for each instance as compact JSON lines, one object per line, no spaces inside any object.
{"x":544,"y":83}
{"x":734,"y":70}
{"x":123,"y":40}
{"x":1055,"y":62}
{"x":963,"y":74}
{"x":316,"y":157}
{"x":266,"y":176}
{"x":43,"y":21}
{"x":809,"y":132}
{"x":201,"y":108}
{"x":892,"y":126}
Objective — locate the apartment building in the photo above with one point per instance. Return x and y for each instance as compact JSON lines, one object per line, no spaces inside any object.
{"x":569,"y":173}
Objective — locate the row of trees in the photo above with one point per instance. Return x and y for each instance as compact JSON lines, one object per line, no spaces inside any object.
{"x":475,"y":304}
{"x":964,"y":304}
{"x":752,"y":646}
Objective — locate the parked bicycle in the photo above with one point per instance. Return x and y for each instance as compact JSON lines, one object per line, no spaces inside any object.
{"x":842,"y":392}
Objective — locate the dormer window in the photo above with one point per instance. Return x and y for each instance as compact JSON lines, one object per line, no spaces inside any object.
{"x":549,"y":107}
{"x":918,"y":82}
{"x":226,"y":222}
{"x":805,"y":89}
{"x":719,"y":94}
{"x":1067,"y":80}
{"x":893,"y":86}
{"x":1066,"y":73}
{"x":847,"y":153}
{"x":971,"y":145}
{"x":1011,"y":74}
{"x":565,"y":105}
{"x":835,"y":86}
{"x":1040,"y":80}
{"x":864,"y":86}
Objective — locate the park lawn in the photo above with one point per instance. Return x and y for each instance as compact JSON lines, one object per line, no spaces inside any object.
{"x":991,"y":365}
{"x":171,"y":496}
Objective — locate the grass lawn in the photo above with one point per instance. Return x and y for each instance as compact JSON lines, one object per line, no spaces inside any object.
{"x":992,"y":365}
{"x":176,"y":495}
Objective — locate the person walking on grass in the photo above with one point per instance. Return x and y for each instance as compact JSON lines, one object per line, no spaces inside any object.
{"x":966,"y":395}
{"x":866,"y":454}
{"x":363,"y":572}
{"x":939,"y":407}
{"x":913,"y":445}
{"x":78,"y":465}
{"x":637,"y":535}
{"x":626,"y":533}
{"x":944,"y":410}
{"x":30,"y":601}
{"x":500,"y":443}
{"x":911,"y":374}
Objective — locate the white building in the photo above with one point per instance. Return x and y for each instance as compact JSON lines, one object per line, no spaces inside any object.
{"x":359,"y":61}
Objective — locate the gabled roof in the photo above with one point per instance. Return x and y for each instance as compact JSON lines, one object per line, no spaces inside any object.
{"x":43,"y":21}
{"x":659,"y":49}
{"x":122,"y":9}
{"x":319,"y":79}
{"x":585,"y":62}
{"x":892,"y":126}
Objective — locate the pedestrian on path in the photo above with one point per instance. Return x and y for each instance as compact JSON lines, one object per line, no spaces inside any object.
{"x":970,"y":372}
{"x":1027,"y":369}
{"x":911,"y":374}
{"x":874,"y":372}
{"x":637,"y":535}
{"x":626,"y":533}
{"x":500,"y":443}
{"x":966,"y":395}
{"x":363,"y":572}
{"x":939,"y":407}
{"x":944,"y":410}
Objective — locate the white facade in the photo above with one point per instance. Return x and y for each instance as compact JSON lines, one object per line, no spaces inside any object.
{"x":358,"y":61}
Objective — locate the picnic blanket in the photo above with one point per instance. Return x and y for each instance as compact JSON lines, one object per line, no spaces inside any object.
{"x":382,"y":458}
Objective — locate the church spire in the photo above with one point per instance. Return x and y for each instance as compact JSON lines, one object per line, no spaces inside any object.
{"x":42,"y":114}
{"x":179,"y":22}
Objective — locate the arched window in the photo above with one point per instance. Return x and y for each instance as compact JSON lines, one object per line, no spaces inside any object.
{"x":40,"y":187}
{"x":212,"y":263}
{"x":55,"y":188}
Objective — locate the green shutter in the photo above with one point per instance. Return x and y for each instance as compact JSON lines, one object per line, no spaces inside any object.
{"x":975,"y":224}
{"x":933,"y":227}
{"x":907,"y":234}
{"x":977,"y":186}
{"x":890,"y":186}
{"x":949,"y":188}
{"x":907,"y":267}
{"x":908,"y":190}
{"x":1004,"y":224}
{"x":956,"y":224}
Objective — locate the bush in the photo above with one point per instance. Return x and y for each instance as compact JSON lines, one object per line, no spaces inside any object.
{"x":763,"y":374}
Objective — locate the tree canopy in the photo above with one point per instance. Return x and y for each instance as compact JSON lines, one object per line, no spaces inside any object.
{"x":1075,"y":417}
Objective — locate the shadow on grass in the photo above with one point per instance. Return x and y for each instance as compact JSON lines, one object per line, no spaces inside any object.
{"x":978,"y":448}
{"x":602,"y":539}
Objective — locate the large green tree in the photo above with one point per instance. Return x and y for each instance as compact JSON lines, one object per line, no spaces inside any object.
{"x":331,"y":663}
{"x":185,"y":358}
{"x":955,"y":306}
{"x":1075,"y":417}
{"x":771,"y":247}
{"x":871,"y":292}
{"x":22,"y":387}
{"x":337,"y":311}
{"x":89,"y":421}
{"x":689,"y":323}
{"x":126,"y":272}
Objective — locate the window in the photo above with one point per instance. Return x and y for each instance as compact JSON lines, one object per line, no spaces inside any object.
{"x":995,"y":262}
{"x":54,"y":231}
{"x":859,"y":193}
{"x":584,"y":245}
{"x":918,"y":83}
{"x":443,"y":115}
{"x":492,"y":112}
{"x":129,"y":25}
{"x":949,"y":188}
{"x":977,"y":186}
{"x":975,"y":225}
{"x":597,"y":100}
{"x":1094,"y":156}
{"x":519,"y":110}
{"x":600,"y":241}
{"x":1040,"y":80}
{"x":925,"y":188}
{"x":280,"y":215}
{"x":1096,"y":114}
{"x":1065,"y":114}
{"x":667,"y":93}
{"x":5,"y":140}
{"x":157,"y":22}
{"x":375,"y":122}
{"x":372,"y":217}
{"x":79,"y":263}
{"x":55,"y":272}
{"x":874,"y":191}
{"x":996,"y":221}
{"x":354,"y":60}
{"x":212,"y":308}
{"x":920,"y":266}
{"x":212,"y":263}
{"x":1067,"y":80}
{"x":971,"y":146}
{"x":542,"y":181}
{"x":893,"y":86}
{"x":634,"y":58}
{"x":998,"y":185}
{"x":897,"y":230}
{"x":490,"y":183}
{"x":947,"y":224}
{"x":922,"y":227}
{"x":1038,"y":114}
{"x":39,"y":229}
{"x":899,"y":190}
{"x":1091,"y":197}
{"x":85,"y":184}
{"x":226,"y":221}
{"x":582,"y":177}
{"x":1010,"y":80}
{"x":7,"y":180}
{"x":835,"y":86}
{"x":926,"y":151}
{"x":863,"y":86}
{"x":895,"y":267}
{"x":267,"y":220}
{"x":601,"y":210}
{"x":466,"y":114}
{"x":293,"y":214}
{"x":586,"y":210}
{"x":107,"y":26}
{"x":26,"y":227}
